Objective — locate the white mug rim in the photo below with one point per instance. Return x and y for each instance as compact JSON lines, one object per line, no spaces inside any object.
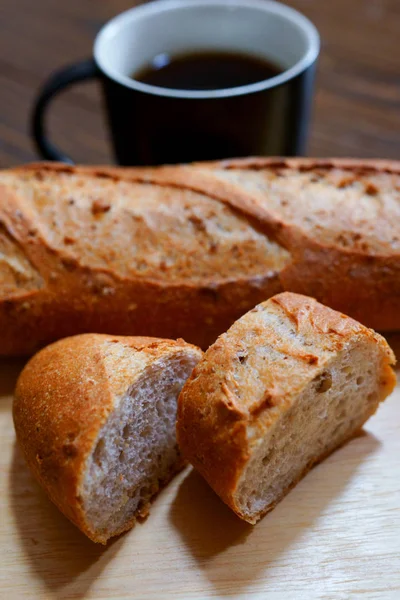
{"x":271,"y":6}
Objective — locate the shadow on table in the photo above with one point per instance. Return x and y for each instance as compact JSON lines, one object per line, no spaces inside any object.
{"x":233,"y":554}
{"x":58,"y":553}
{"x":10,"y":368}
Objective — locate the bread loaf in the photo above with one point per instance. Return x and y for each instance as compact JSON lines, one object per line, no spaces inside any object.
{"x":95,"y":418}
{"x":185,"y":251}
{"x":287,"y":384}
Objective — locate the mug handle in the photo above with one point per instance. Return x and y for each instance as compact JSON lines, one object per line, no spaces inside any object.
{"x":81,"y":71}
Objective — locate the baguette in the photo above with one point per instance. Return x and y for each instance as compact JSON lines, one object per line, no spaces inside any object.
{"x":95,"y":418}
{"x":287,"y":384}
{"x":185,"y":251}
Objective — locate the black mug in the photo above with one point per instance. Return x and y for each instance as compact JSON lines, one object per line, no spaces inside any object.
{"x":153,"y":125}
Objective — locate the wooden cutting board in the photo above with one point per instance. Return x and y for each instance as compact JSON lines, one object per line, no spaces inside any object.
{"x":335,"y":536}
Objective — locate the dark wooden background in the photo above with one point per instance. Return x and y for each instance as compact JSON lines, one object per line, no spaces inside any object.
{"x":357,"y":108}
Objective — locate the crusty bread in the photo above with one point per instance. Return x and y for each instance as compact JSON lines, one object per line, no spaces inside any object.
{"x":184,"y":251}
{"x":286,"y":385}
{"x":339,"y":219}
{"x":85,"y":250}
{"x":95,"y":418}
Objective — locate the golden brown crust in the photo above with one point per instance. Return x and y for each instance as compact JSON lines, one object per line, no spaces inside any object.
{"x":86,"y":282}
{"x":352,"y":164}
{"x":356,"y":271}
{"x":224,"y":408}
{"x":64,"y":396}
{"x":351,"y":266}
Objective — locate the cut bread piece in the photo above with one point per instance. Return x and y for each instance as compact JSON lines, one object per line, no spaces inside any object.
{"x":95,"y":417}
{"x":287,"y":384}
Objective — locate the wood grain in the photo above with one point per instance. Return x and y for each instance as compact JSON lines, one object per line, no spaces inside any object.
{"x":336,"y":536}
{"x":357,"y":102}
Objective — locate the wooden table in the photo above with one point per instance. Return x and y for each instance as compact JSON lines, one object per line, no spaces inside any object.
{"x":336,"y":536}
{"x":357,"y":111}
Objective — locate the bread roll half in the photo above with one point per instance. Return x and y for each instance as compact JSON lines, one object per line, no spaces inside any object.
{"x":95,"y":417}
{"x":287,"y":384}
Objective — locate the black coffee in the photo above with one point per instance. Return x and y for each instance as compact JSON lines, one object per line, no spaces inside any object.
{"x":206,"y":71}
